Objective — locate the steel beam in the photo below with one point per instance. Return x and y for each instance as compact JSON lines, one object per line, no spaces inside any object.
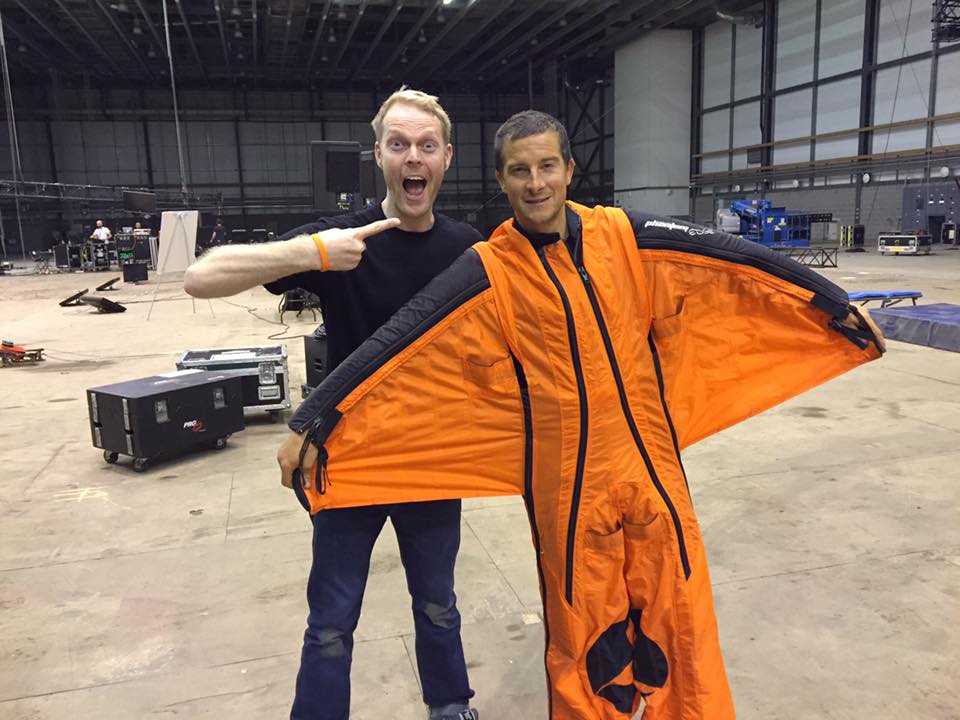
{"x":349,"y":36}
{"x":50,"y":31}
{"x":440,"y":61}
{"x":193,"y":45}
{"x":497,"y":37}
{"x":318,"y":35}
{"x":123,"y":37}
{"x":431,"y":7}
{"x":547,"y":45}
{"x":525,"y":38}
{"x":871,"y":26}
{"x":768,"y":54}
{"x":388,"y":21}
{"x":256,"y":37}
{"x":447,"y":29}
{"x":86,"y":33}
{"x":223,"y":35}
{"x":150,"y":26}
{"x":286,"y":33}
{"x":25,"y":38}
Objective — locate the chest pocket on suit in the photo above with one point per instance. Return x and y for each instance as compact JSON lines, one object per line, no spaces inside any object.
{"x":497,"y":372}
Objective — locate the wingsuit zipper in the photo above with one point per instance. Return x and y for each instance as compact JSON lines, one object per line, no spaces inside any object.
{"x":582,"y":447}
{"x":528,"y":500}
{"x":625,"y":406}
{"x":666,"y":410}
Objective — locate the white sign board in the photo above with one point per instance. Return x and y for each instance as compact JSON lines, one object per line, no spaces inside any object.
{"x":178,"y":240}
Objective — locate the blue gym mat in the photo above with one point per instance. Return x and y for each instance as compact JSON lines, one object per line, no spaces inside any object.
{"x":936,"y":326}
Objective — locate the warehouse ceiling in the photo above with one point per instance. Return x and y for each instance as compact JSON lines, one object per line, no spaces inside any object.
{"x":335,"y":44}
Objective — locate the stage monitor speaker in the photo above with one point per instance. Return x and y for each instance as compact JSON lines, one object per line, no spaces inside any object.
{"x":134,"y":272}
{"x":74,"y":299}
{"x":102,"y":304}
{"x":108,"y":285}
{"x":334,"y":172}
{"x":144,"y":202}
{"x":315,"y":353}
{"x":372,"y":186}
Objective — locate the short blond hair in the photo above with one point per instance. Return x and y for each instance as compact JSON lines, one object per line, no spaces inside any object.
{"x":420,"y":100}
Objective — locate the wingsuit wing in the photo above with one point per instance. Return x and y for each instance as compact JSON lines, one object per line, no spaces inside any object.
{"x":428,"y":408}
{"x":738,"y":328}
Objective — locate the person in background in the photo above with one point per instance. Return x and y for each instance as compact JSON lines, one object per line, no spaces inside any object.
{"x":101,"y":233}
{"x":219,"y":236}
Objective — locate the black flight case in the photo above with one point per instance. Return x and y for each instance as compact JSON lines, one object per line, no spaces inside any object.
{"x":165,"y":414}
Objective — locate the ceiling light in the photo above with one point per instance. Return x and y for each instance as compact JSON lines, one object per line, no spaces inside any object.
{"x":448,"y":2}
{"x":121,"y":6}
{"x":235,"y":11}
{"x":440,"y":18}
{"x":237,"y":32}
{"x":944,"y":171}
{"x":534,"y":42}
{"x":137,"y":30}
{"x":341,"y":13}
{"x":323,"y":56}
{"x":563,"y":22}
{"x":423,"y":36}
{"x":403,"y":57}
{"x":239,"y":54}
{"x":22,"y":48}
{"x":332,"y":38}
{"x":151,"y":53}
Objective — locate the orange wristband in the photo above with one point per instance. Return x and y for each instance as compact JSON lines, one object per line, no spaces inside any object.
{"x":321,"y":248}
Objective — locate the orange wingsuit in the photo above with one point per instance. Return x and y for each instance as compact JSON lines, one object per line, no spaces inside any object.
{"x":574,"y":373}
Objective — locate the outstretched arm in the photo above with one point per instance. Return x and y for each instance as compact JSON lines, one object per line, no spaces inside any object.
{"x":228,"y":270}
{"x":738,"y":328}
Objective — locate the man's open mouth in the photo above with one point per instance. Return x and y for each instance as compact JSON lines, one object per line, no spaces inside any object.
{"x":414,"y":185}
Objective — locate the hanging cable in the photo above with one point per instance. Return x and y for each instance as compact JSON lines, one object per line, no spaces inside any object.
{"x":176,"y":111}
{"x":14,"y":141}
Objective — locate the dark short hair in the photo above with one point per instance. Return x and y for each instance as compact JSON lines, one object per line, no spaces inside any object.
{"x":527,"y":123}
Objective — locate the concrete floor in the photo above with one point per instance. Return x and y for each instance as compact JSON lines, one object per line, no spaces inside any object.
{"x":832,"y":524}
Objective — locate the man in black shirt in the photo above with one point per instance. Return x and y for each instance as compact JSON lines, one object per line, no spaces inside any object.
{"x":219,"y":236}
{"x":384,"y":255}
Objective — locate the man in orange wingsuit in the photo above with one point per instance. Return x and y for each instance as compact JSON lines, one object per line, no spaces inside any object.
{"x":570,"y":358}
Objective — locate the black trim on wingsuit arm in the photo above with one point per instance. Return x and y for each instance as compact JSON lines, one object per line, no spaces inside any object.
{"x":663,"y":233}
{"x":463,"y":280}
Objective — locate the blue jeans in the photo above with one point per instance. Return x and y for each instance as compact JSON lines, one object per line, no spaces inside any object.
{"x":429,"y":537}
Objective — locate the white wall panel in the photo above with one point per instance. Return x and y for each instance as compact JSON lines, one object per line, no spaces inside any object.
{"x":838,"y":108}
{"x":796,"y":32}
{"x":746,"y":124}
{"x":717,"y":39}
{"x":906,"y":102}
{"x":947,"y":133}
{"x":715,"y":130}
{"x":791,"y":118}
{"x":746,"y":130}
{"x":948,"y":83}
{"x":652,"y":135}
{"x":902,"y":32}
{"x":841,"y":36}
{"x":748,"y":61}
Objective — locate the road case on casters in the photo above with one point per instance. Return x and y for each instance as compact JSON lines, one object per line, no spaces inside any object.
{"x":263,"y":372}
{"x":165,"y":414}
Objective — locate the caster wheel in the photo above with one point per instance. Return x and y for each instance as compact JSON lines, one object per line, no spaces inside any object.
{"x":110,"y":457}
{"x":220,"y":443}
{"x":140,"y":464}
